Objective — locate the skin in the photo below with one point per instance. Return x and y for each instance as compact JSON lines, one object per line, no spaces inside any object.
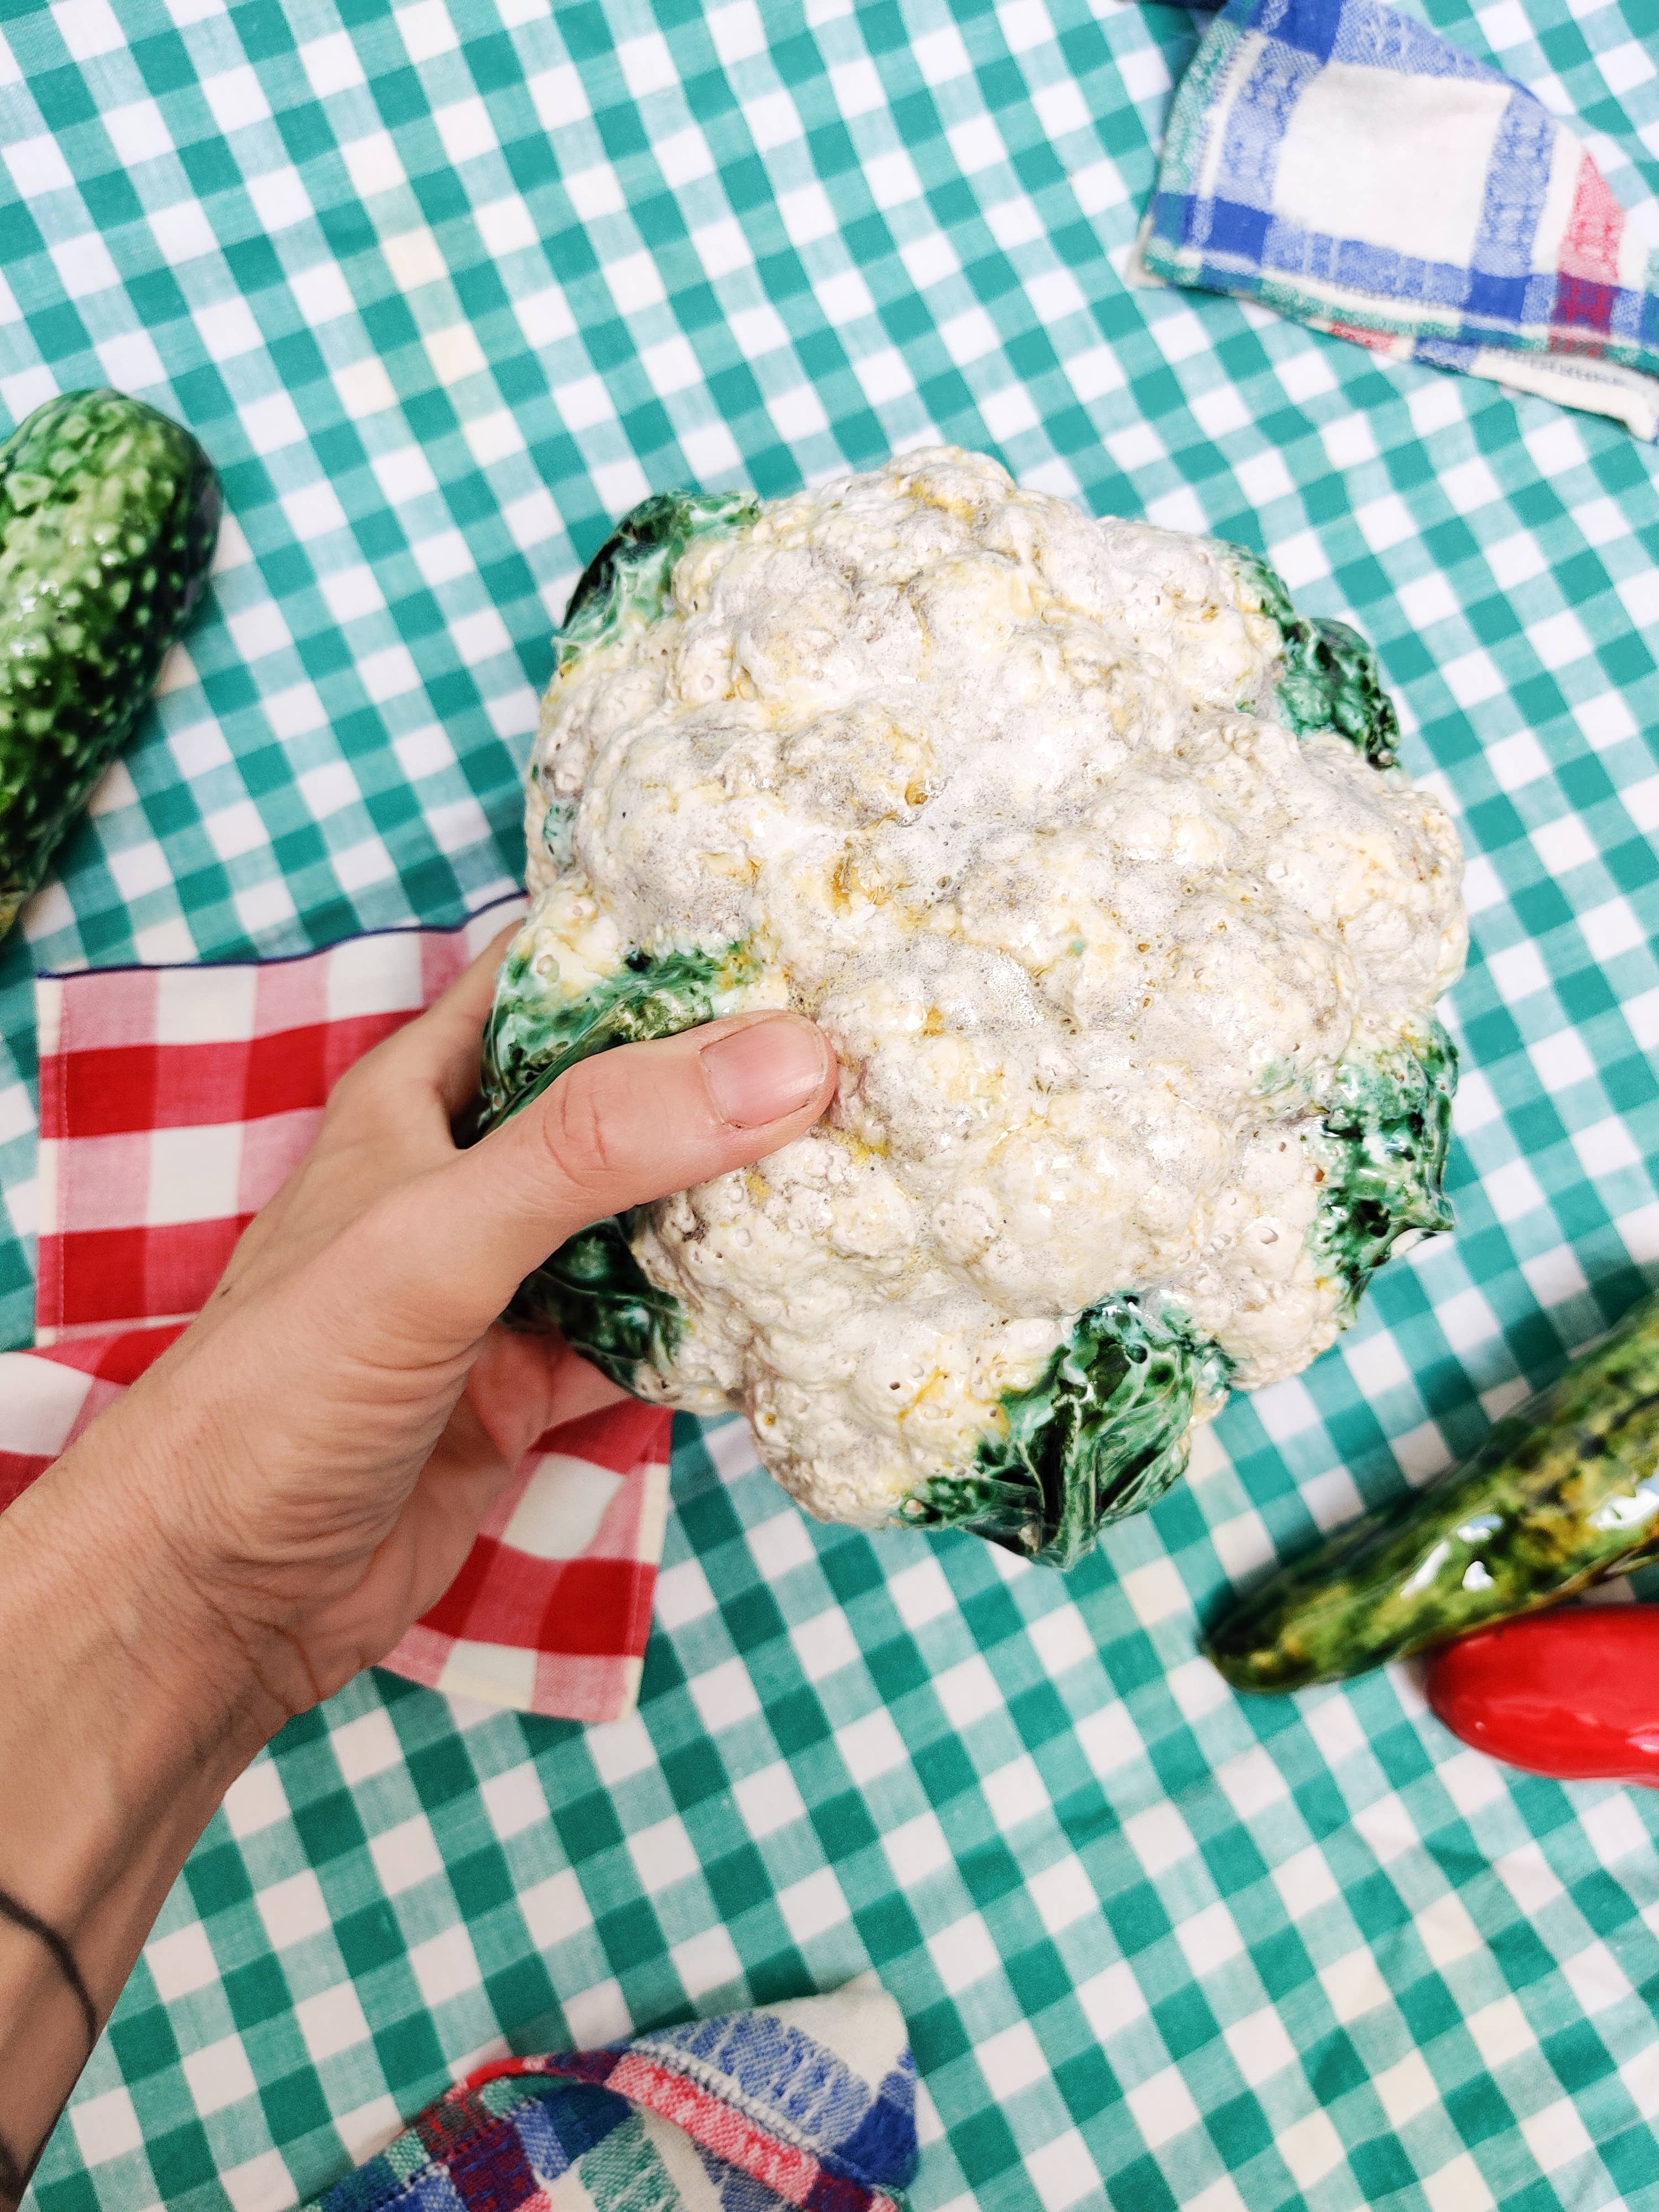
{"x":302,"y":1474}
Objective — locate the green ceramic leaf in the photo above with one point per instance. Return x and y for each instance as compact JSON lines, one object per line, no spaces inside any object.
{"x":1102,"y":1433}
{"x":1386,"y":1136}
{"x":1330,"y":679}
{"x":628,"y":579}
{"x":593,"y":1290}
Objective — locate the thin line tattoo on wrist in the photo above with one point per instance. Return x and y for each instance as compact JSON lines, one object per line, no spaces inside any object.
{"x":13,"y":1909}
{"x":13,"y":2175}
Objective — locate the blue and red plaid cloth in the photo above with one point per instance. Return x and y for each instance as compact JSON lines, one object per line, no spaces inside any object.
{"x":809,"y":2104}
{"x":1346,"y":167}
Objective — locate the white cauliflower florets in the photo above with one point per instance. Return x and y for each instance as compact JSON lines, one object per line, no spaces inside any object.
{"x":996,"y":792}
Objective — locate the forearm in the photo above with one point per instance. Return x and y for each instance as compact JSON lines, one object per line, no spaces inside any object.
{"x":126,"y":1717}
{"x":303,"y":1473}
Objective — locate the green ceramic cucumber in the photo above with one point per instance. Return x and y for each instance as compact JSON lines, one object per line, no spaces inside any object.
{"x":108,"y":517}
{"x":1564,"y":1491}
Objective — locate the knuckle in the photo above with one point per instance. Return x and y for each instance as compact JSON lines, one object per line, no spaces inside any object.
{"x":577,"y":1135}
{"x":355,"y":1095}
{"x":348,"y":1091}
{"x":363,"y":1097}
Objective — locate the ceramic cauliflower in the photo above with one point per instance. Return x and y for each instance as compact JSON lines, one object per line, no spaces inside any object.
{"x":1094,"y":862}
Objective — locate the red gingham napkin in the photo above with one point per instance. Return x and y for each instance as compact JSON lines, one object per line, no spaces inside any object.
{"x":173,"y":1101}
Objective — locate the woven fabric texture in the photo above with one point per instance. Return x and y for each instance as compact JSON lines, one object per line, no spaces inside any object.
{"x":810,"y":2105}
{"x":444,"y":287}
{"x":1341,"y":164}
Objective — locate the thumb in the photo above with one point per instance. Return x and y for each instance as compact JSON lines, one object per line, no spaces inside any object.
{"x":625,"y":1128}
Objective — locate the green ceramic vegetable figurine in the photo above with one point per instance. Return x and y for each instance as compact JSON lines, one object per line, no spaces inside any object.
{"x":108,"y":517}
{"x":1565,"y":1490}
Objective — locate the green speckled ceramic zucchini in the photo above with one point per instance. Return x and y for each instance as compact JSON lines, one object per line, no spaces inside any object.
{"x":108,"y":517}
{"x":1564,"y":1491}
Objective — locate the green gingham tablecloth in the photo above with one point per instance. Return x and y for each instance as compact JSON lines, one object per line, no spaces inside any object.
{"x":444,"y":286}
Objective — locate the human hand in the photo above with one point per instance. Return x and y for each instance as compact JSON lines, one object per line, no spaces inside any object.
{"x":304,"y":1471}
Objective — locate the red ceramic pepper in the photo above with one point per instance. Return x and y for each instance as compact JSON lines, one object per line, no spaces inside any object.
{"x":1574,"y":1694}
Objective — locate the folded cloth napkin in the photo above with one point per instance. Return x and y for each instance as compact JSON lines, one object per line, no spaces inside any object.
{"x":173,"y":1101}
{"x":809,"y":2104}
{"x":1344,"y":166}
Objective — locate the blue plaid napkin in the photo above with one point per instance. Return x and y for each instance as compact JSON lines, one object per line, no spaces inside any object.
{"x":1343,"y":165}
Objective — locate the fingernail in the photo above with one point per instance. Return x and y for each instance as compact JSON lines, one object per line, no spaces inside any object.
{"x":759,"y":1073}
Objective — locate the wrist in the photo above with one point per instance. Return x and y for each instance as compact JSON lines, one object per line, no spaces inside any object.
{"x":147,"y":1494}
{"x":117,"y":1743}
{"x":113,"y":1646}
